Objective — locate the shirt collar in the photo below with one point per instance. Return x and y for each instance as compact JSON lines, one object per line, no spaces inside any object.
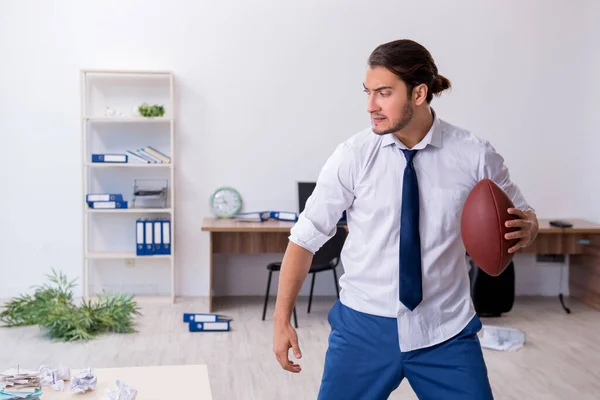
{"x":433,"y":136}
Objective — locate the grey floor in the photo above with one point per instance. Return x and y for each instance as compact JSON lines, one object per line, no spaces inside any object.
{"x":561,"y":359}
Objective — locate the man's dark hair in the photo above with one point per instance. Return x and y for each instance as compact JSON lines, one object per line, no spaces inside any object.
{"x":412,"y":63}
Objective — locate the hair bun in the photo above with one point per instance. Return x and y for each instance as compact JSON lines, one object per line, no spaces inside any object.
{"x":440,"y":84}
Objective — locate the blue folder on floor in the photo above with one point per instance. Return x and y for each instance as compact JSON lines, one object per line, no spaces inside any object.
{"x":199,"y":317}
{"x":217,"y":326}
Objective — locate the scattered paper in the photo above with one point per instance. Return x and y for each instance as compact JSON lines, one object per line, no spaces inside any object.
{"x":82,"y":382}
{"x":19,"y":383}
{"x":502,"y":338}
{"x":123,"y":392}
{"x":55,"y":377}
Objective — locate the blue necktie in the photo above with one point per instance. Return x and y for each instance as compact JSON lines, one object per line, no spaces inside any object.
{"x":411,"y":291}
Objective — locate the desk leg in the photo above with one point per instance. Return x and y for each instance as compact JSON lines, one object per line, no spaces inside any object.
{"x":560,"y":294}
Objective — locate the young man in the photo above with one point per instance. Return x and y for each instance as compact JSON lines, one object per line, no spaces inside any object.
{"x":405,"y":308}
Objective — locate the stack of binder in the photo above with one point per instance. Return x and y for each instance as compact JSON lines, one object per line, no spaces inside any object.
{"x":105,"y":200}
{"x":145,"y":155}
{"x":261,"y":216}
{"x":207,"y":322}
{"x":153,"y":237}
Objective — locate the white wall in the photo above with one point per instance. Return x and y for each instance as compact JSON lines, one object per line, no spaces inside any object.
{"x":261,"y":86}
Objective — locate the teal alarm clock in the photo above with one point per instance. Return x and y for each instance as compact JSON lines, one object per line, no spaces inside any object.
{"x":225,"y":202}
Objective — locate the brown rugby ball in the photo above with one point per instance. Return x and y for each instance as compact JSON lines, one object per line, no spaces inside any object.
{"x":483,"y":219}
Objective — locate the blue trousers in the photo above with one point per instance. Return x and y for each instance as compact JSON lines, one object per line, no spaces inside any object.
{"x":364,"y":361}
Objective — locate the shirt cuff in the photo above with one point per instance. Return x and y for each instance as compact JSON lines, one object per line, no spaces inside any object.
{"x":306,"y":235}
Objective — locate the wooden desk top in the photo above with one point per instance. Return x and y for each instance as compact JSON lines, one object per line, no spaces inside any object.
{"x":151,"y":383}
{"x":579,"y":226}
{"x":231,"y":225}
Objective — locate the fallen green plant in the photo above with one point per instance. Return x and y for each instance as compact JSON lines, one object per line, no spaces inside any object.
{"x":51,"y":307}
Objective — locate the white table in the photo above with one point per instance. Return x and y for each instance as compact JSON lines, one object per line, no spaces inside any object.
{"x":151,"y":383}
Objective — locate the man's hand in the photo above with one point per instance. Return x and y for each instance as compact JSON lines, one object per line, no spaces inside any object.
{"x":285,"y":337}
{"x":294,"y":269}
{"x":528,"y":224}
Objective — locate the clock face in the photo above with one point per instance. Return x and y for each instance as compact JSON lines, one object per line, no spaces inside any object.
{"x":225,"y":202}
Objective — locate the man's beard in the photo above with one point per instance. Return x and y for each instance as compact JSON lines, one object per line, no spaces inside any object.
{"x":407,"y":115}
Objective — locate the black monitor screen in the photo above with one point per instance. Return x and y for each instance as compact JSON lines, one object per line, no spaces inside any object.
{"x":305,"y":189}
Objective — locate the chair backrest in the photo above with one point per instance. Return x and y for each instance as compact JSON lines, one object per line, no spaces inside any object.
{"x":331,"y":250}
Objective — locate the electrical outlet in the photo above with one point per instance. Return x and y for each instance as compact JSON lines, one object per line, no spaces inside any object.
{"x":130,"y":262}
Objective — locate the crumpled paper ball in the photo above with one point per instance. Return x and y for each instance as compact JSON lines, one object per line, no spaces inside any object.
{"x":54,"y":377}
{"x":82,"y":382}
{"x":123,"y":392}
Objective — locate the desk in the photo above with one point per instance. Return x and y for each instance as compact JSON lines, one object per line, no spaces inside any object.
{"x":151,"y":383}
{"x":581,"y":243}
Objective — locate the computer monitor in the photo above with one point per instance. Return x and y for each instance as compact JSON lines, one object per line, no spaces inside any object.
{"x":305,"y":189}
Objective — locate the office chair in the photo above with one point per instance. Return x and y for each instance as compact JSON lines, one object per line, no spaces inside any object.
{"x":326,"y":258}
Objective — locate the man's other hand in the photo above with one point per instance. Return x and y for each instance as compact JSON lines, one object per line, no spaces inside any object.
{"x":285,"y":337}
{"x":528,"y":228}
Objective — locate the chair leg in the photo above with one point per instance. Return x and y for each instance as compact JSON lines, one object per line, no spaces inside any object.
{"x":267,"y":295}
{"x":335,"y":280}
{"x":295,"y":318}
{"x":312,"y":286}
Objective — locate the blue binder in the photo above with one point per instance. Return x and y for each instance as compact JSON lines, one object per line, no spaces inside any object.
{"x":284,"y":216}
{"x":217,"y":326}
{"x":199,"y":317}
{"x":148,"y":238}
{"x":139,"y":237}
{"x":91,"y":197}
{"x":166,"y":237}
{"x":255,"y":216}
{"x":107,"y":205}
{"x":158,"y":241}
{"x":109,"y":158}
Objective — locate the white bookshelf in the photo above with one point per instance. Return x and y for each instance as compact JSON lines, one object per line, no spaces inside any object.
{"x":109,"y":234}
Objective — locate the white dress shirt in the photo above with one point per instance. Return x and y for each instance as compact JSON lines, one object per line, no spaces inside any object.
{"x":364,"y":177}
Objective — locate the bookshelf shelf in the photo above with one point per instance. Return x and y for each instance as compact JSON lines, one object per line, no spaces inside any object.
{"x":127,"y":73}
{"x":119,"y":120}
{"x":110,"y":124}
{"x":139,"y":210}
{"x":125,"y":256}
{"x":128,"y":165}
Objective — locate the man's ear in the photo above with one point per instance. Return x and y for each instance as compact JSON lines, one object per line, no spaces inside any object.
{"x":420,"y":94}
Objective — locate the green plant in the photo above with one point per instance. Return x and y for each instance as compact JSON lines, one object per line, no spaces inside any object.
{"x":151,"y":111}
{"x":52,"y":308}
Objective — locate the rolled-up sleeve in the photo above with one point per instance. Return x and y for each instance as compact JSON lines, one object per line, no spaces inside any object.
{"x":492,"y":166}
{"x":333,"y":194}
